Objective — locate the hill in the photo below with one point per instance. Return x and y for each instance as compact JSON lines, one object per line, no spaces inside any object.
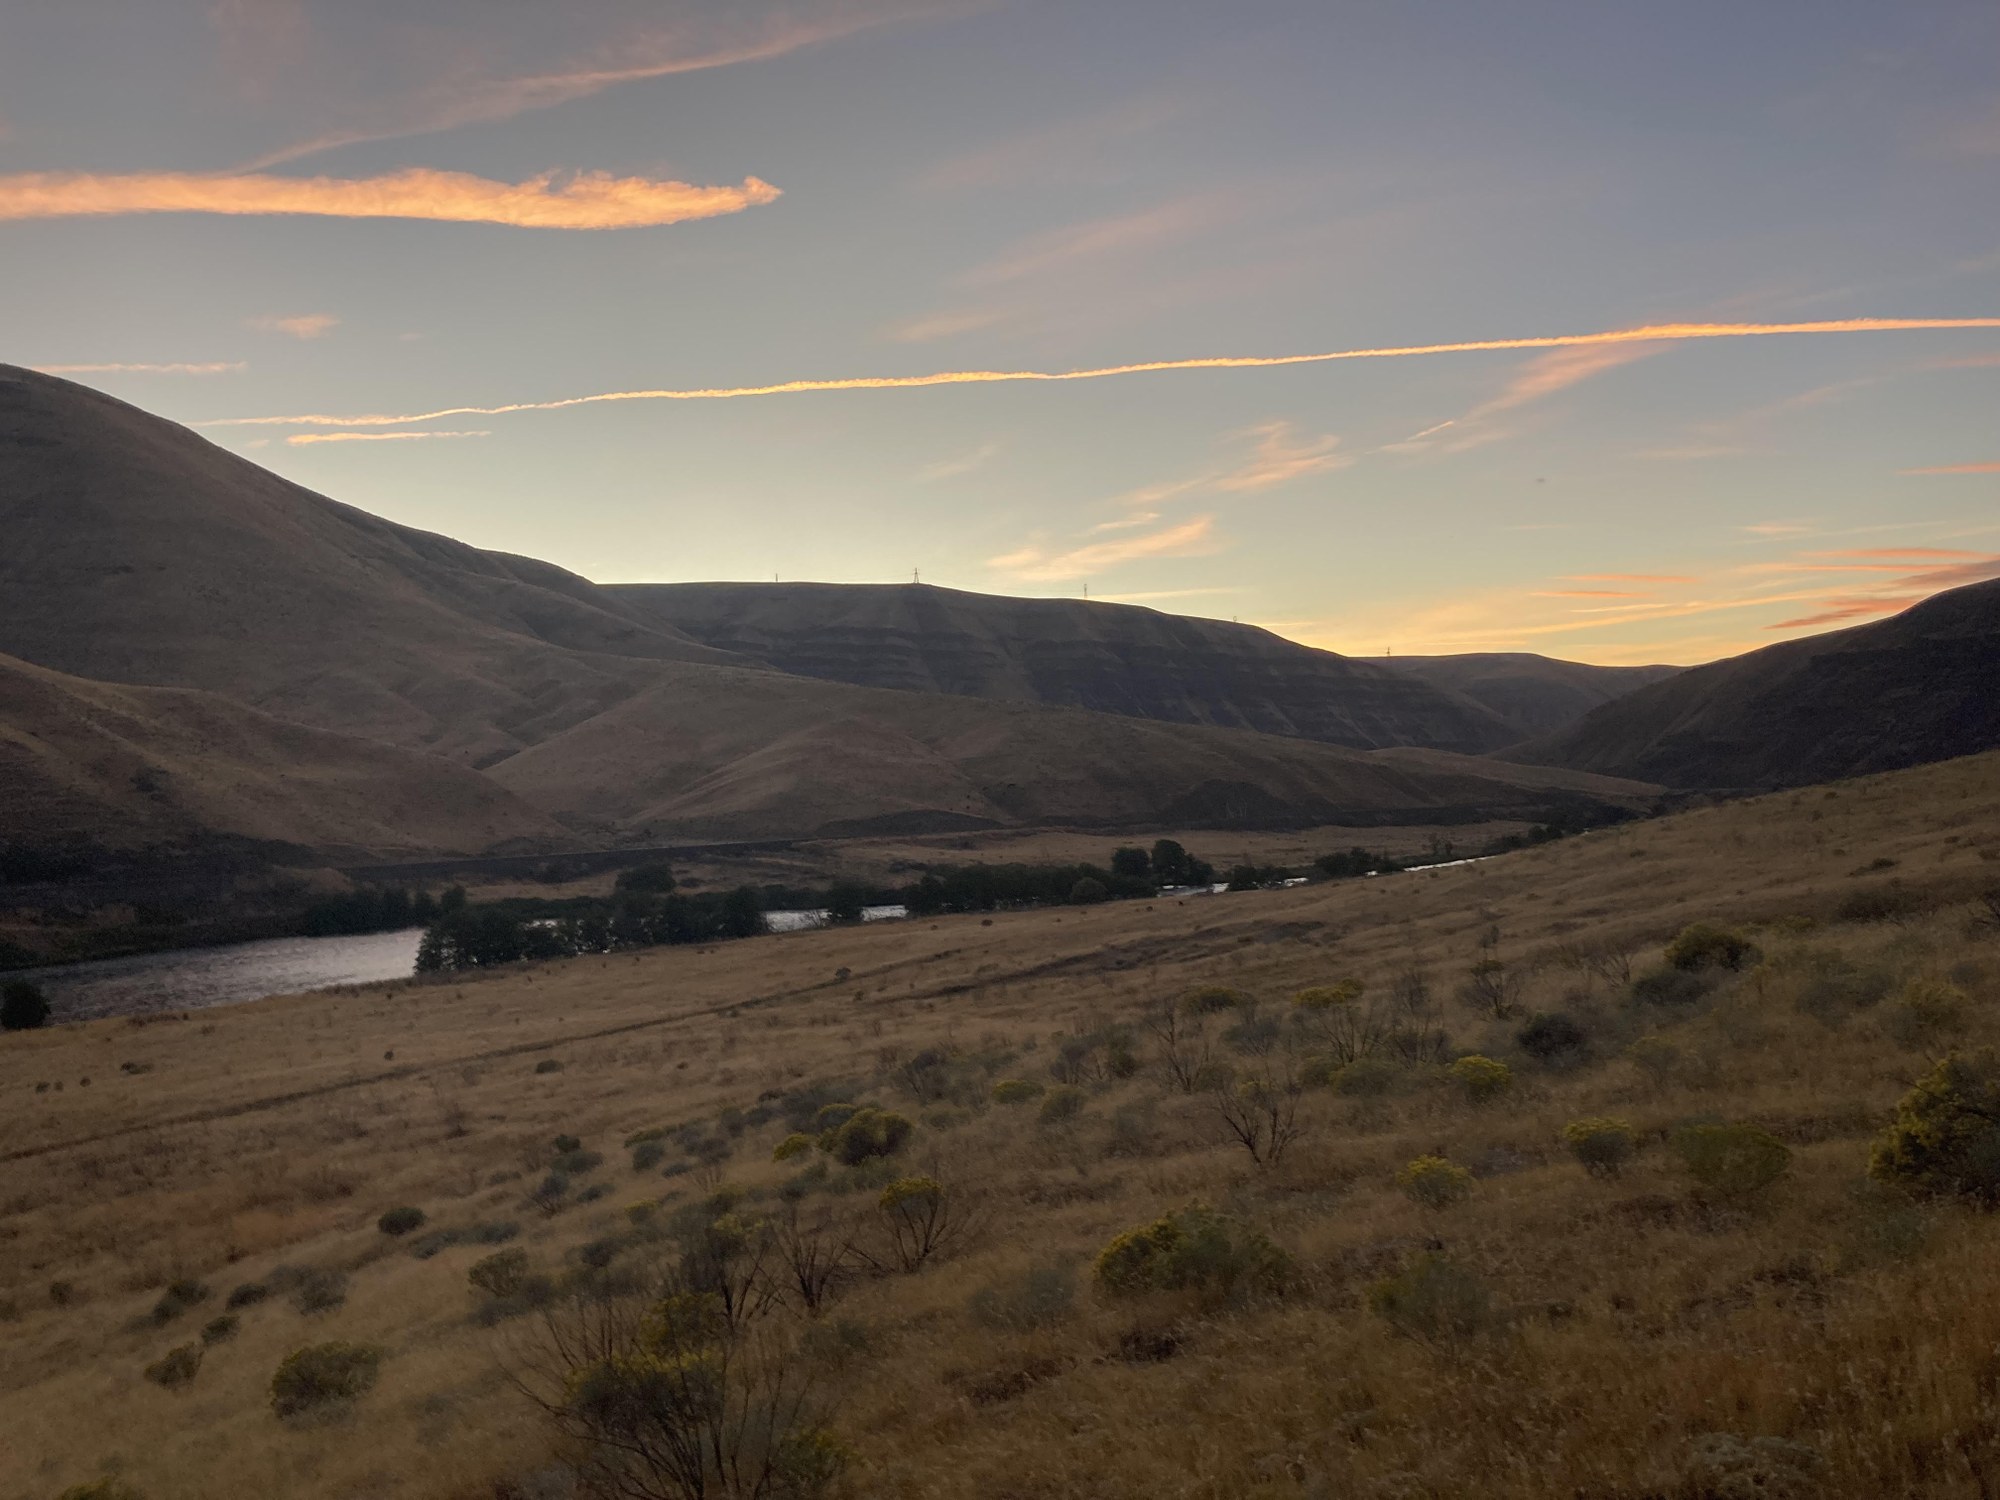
{"x":721,"y":753}
{"x":137,"y":553}
{"x":1536,"y":695}
{"x":1917,"y":687}
{"x":1764,"y":1320}
{"x":125,"y":768}
{"x":1072,"y":653}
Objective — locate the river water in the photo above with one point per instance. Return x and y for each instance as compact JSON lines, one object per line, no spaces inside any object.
{"x":196,"y":978}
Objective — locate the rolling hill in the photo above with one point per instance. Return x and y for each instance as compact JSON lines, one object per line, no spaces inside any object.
{"x":364,"y":670}
{"x":1535,"y":695}
{"x":1071,"y":653}
{"x":1919,"y":686}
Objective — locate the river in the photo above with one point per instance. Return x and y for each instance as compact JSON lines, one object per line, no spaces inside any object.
{"x":196,"y":978}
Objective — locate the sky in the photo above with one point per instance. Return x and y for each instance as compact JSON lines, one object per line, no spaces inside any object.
{"x":1732,"y":275}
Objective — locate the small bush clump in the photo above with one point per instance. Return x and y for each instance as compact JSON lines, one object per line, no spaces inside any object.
{"x":548,"y":1065}
{"x":1061,"y":1104}
{"x":864,"y":1134}
{"x":1211,"y":999}
{"x":322,"y":1373}
{"x":400,"y":1221}
{"x":319,"y":1290}
{"x":178,"y":1298}
{"x":1603,"y":1145}
{"x":1927,"y":1012}
{"x":577,"y":1162}
{"x":501,"y":1274}
{"x":1434,"y":1182}
{"x":1733,"y":1162}
{"x":1482,"y":1079}
{"x":1433,"y":1301}
{"x":1366,"y":1078}
{"x":1707,"y":946}
{"x":1192,"y":1249}
{"x":1016,"y":1091}
{"x":649,"y":1154}
{"x":249,"y":1294}
{"x":219,"y":1329}
{"x":1945,"y":1140}
{"x":1551,"y":1037}
{"x":1671,"y":986}
{"x":176,"y":1367}
{"x":798,"y":1143}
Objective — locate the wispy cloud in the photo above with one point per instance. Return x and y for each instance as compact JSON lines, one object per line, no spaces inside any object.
{"x":1993,"y":468}
{"x":1279,"y":457}
{"x":1148,"y":596}
{"x":274,"y":42}
{"x":1644,"y":335}
{"x":1058,"y":249}
{"x":304,"y":439}
{"x":299,"y":326}
{"x":210,"y":367}
{"x":1037,"y":564}
{"x":952,"y":468}
{"x":1779,"y":528}
{"x":1629,"y":578}
{"x":1589,"y":594}
{"x":589,"y":200}
{"x":1067,"y":151}
{"x":1538,"y":379}
{"x":944,"y":325}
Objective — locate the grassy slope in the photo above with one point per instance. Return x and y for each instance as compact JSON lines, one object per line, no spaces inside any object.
{"x":174,"y":765}
{"x":276,"y":1132}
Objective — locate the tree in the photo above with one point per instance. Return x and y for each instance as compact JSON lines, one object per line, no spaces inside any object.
{"x":1088,"y":892}
{"x":743,"y":913}
{"x":654,"y":880}
{"x":23,"y":1007}
{"x":845,"y":901}
{"x":1131,"y":864}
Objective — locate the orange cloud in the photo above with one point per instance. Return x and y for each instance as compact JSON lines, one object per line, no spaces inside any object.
{"x":304,"y":326}
{"x":213,"y":367}
{"x":1629,"y":578}
{"x":589,"y":200}
{"x":943,"y":325}
{"x":1840,"y":610}
{"x":1035,"y":564}
{"x":1957,"y":469}
{"x":1898,"y":552}
{"x":1651,"y":334}
{"x":302,"y":439}
{"x":1587,"y":594}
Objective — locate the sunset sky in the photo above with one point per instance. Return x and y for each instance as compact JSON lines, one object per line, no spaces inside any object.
{"x":365,"y":218}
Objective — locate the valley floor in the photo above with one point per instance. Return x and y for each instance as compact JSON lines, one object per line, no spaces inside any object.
{"x":1617,"y":1337}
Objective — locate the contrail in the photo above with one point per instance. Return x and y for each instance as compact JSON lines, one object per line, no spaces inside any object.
{"x":1660,"y":332}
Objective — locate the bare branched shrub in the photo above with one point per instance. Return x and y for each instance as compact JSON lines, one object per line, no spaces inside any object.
{"x":1490,"y":987}
{"x":1181,"y":1045}
{"x":816,"y":1255}
{"x":1342,"y":1021}
{"x":1259,"y":1109}
{"x":922,"y":1218}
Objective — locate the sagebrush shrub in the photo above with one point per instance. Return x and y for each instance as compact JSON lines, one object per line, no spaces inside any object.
{"x":1210,"y":999}
{"x":249,"y":1294}
{"x":577,"y":1162}
{"x":178,"y":1298}
{"x":1551,"y":1036}
{"x":864,"y":1134}
{"x":1016,"y":1091}
{"x":217,"y":1330}
{"x":399,"y":1221}
{"x":1482,"y":1079}
{"x":1671,"y":986}
{"x":319,"y":1290}
{"x":1733,"y":1162}
{"x":1704,"y":945}
{"x":1928,"y":1011}
{"x":1062,"y":1103}
{"x":1326,"y":997}
{"x":322,"y":1373}
{"x":1192,"y":1249}
{"x":798,"y":1143}
{"x":1945,"y":1140}
{"x":649,"y":1154}
{"x":1434,"y":1182}
{"x":1433,"y":1301}
{"x":1366,"y":1078}
{"x":176,"y":1367}
{"x":1602,"y":1144}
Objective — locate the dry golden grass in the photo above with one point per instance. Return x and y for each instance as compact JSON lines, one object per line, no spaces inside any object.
{"x":1629,"y":1322}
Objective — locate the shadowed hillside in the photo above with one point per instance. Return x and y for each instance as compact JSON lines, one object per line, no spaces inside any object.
{"x":1914,"y":688}
{"x":1535,"y":694}
{"x":1114,"y":658}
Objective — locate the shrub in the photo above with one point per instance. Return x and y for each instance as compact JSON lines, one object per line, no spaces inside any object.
{"x":1016,"y":1091}
{"x":922,"y":1217}
{"x":798,"y":1143}
{"x":1210,"y":999}
{"x":1603,"y":1145}
{"x":176,"y":1367}
{"x":217,"y":1330}
{"x":1945,"y":1140}
{"x":1061,"y":1104}
{"x":1671,"y":986}
{"x":1550,"y":1036}
{"x":1328,"y":996}
{"x":1734,"y":1162}
{"x":1707,"y":946}
{"x":319,"y":1291}
{"x":322,"y":1373}
{"x":867,"y":1133}
{"x":832,"y":1116}
{"x":1366,"y":1078}
{"x":178,"y":1298}
{"x":1433,"y":1301}
{"x":577,"y":1162}
{"x":1483,"y":1079}
{"x":249,"y":1294}
{"x":1035,"y":1298}
{"x":398,"y":1221}
{"x":1824,"y":985}
{"x":23,"y":1007}
{"x":1434,"y":1182}
{"x":563,"y":1144}
{"x":1089,"y":892}
{"x":501,"y":1274}
{"x":649,"y":1154}
{"x":1928,"y":1011}
{"x":1656,"y":1057}
{"x":1192,"y":1249}
{"x":548,"y":1065}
